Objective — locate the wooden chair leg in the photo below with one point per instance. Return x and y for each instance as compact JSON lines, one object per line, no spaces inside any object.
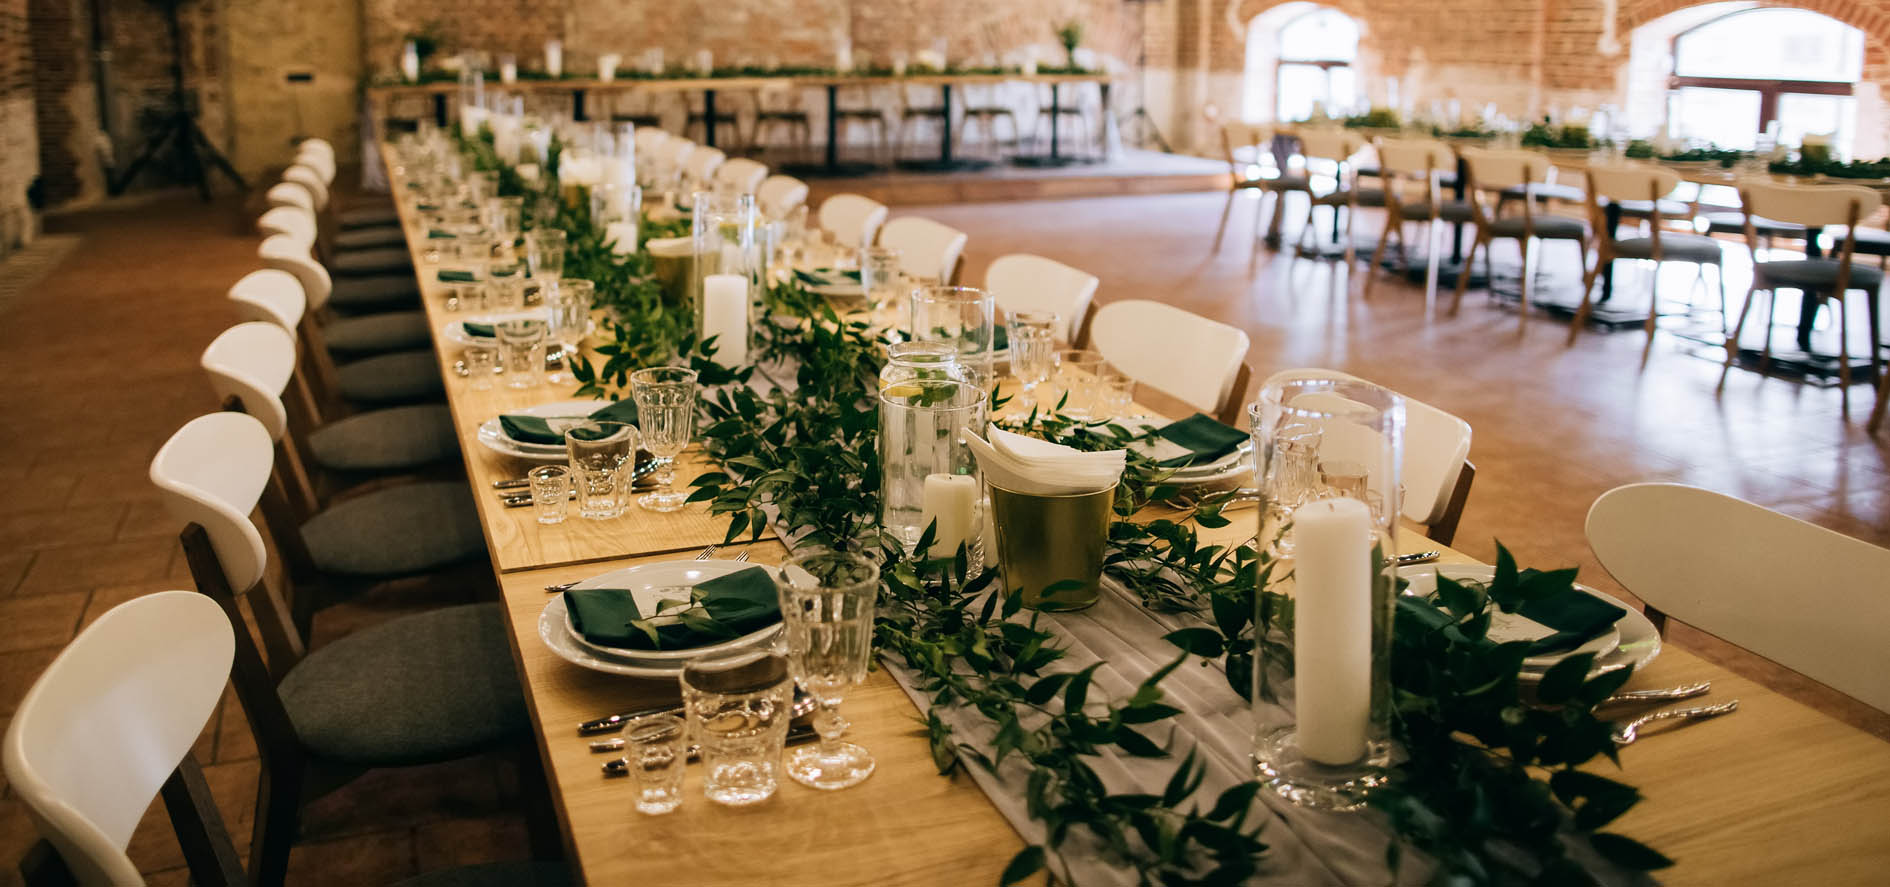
{"x":1844,"y":357}
{"x":1378,"y":257}
{"x":1653,"y":313}
{"x":1719,"y":273}
{"x":1883,"y":405}
{"x":1522,"y":287}
{"x":1732,"y":342}
{"x":1463,"y":275}
{"x":1588,"y":298}
{"x":1226,"y":211}
{"x":278,"y":819}
{"x":1771,"y":317}
{"x":1658,"y":618}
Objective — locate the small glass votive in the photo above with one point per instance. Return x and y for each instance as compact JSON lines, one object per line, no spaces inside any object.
{"x":654,"y":746}
{"x":522,"y":342}
{"x":481,"y":363}
{"x":1115,"y":394}
{"x":551,"y":493}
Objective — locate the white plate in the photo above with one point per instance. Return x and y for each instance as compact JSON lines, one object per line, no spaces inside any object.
{"x":1633,"y":643}
{"x":650,"y":584}
{"x":455,"y":332}
{"x":492,"y":434}
{"x":554,"y":628}
{"x":1221,"y":469}
{"x":847,"y":288}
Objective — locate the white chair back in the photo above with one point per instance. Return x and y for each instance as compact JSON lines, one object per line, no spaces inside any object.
{"x":286,"y":253}
{"x":289,"y":194}
{"x":1630,"y":181}
{"x":778,"y":195}
{"x":1328,"y":143}
{"x":926,"y":248}
{"x":322,"y":163}
{"x":316,"y":145}
{"x":317,"y":189}
{"x":1436,"y":445}
{"x":1412,"y":157}
{"x":1023,"y":282}
{"x":852,"y":218}
{"x":294,"y":221}
{"x":741,"y":175}
{"x":212,"y":472}
{"x":272,"y":295}
{"x":1238,"y":137}
{"x":675,"y":151}
{"x":703,"y":163}
{"x":1493,"y":169}
{"x":1185,"y":355}
{"x":649,"y":141}
{"x":1815,"y":601}
{"x":1809,"y":205}
{"x":104,"y":726}
{"x":253,"y":362}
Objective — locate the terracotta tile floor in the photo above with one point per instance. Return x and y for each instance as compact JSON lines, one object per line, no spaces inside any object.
{"x":102,"y":366}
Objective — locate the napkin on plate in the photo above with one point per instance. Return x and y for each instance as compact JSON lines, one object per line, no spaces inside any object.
{"x":827,"y":277}
{"x":450,"y":275}
{"x":437,"y":234}
{"x":1575,"y":617}
{"x":730,"y":606}
{"x":538,"y":430}
{"x":1196,"y":440}
{"x":1023,"y":464}
{"x":478,"y":330}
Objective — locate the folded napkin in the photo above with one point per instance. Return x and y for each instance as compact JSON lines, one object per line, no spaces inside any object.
{"x":1576,"y":618}
{"x":537,"y":430}
{"x":451,"y":275}
{"x":437,"y":234}
{"x":1037,"y":467}
{"x":478,"y":330}
{"x":828,"y":276}
{"x":724,"y":607}
{"x":1201,"y":439}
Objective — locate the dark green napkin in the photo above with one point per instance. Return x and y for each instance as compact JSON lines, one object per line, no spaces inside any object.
{"x":1576,"y":618}
{"x":732,"y":606}
{"x":532,"y":429}
{"x":827,"y":277}
{"x":1000,"y":337}
{"x":450,"y":275}
{"x":478,"y":330}
{"x":437,"y":234}
{"x":1204,"y":436}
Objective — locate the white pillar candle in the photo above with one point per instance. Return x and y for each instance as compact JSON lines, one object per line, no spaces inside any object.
{"x":1332,"y":630}
{"x":508,"y":71}
{"x":410,"y":62}
{"x":622,"y":237}
{"x":527,"y":171}
{"x":952,"y":501}
{"x":607,"y":66}
{"x":843,"y":58}
{"x":554,"y":58}
{"x":725,"y":317}
{"x":1030,"y":67}
{"x":705,"y":62}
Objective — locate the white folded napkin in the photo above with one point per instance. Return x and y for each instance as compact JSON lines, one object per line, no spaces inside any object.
{"x":1040,"y":468}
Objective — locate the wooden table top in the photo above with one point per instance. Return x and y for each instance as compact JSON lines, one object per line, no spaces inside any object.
{"x":1776,"y":793}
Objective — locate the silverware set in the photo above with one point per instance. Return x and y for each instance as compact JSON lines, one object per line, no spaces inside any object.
{"x":1629,"y":731}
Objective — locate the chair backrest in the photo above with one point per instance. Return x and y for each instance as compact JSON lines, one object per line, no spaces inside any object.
{"x":1182,"y":354}
{"x":1236,"y":136}
{"x":105,"y":725}
{"x":852,"y":218}
{"x":289,"y":194}
{"x":212,"y":472}
{"x":253,"y":362}
{"x":1436,"y":445}
{"x":1023,"y":282}
{"x":1332,"y":143}
{"x":317,"y":189}
{"x":316,"y":145}
{"x":323,"y":163}
{"x":1630,"y":181}
{"x":286,"y":253}
{"x":703,"y":162}
{"x":293,"y":221}
{"x":1492,"y":169}
{"x":742,"y":175}
{"x":778,"y":195}
{"x":272,"y":295}
{"x":927,"y":249}
{"x":676,"y":150}
{"x":649,"y":140}
{"x":1809,"y":205}
{"x":1815,"y":601}
{"x":1414,"y":157}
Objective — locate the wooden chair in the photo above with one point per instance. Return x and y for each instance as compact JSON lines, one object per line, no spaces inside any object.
{"x":852,"y":219}
{"x":1244,"y":146}
{"x":927,"y":250}
{"x":1023,"y":282}
{"x":913,"y":113}
{"x":1630,"y":182}
{"x":1411,"y":170}
{"x":1195,"y":360}
{"x":395,"y":377}
{"x":1490,"y":175}
{"x":1337,"y":147}
{"x":1812,"y":600}
{"x":1831,"y":279}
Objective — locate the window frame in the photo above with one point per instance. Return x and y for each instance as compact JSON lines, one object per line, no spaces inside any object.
{"x":1325,"y":65}
{"x":1769,"y":89}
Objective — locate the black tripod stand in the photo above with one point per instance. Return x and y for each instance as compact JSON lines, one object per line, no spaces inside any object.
{"x":196,"y":155}
{"x":1138,"y":128}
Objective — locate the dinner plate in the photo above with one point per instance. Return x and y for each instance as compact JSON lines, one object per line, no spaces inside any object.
{"x":1221,"y":469}
{"x":554,"y":628}
{"x":492,"y":434}
{"x":835,"y":285}
{"x":650,"y":584}
{"x":455,"y":332}
{"x":1633,"y":643}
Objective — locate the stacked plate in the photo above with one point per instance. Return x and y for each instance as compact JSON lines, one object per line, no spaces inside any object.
{"x":1234,"y":466}
{"x":1632,"y":642}
{"x":649,"y":584}
{"x":455,"y":332}
{"x":831,"y":281}
{"x":492,"y":432}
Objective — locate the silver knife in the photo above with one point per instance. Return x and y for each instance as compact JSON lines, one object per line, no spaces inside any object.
{"x":796,"y":735}
{"x":612,"y":723}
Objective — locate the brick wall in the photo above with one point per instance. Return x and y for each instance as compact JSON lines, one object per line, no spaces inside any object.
{"x":19,"y":132}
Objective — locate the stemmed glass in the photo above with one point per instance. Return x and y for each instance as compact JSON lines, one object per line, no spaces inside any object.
{"x":598,"y":452}
{"x":827,"y":600}
{"x":544,"y":252}
{"x":666,"y":410}
{"x":1033,"y":350}
{"x":568,"y":312}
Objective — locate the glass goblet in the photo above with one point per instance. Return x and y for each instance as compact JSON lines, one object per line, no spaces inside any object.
{"x":568,"y":317}
{"x":666,"y":412}
{"x":827,"y":601}
{"x":1033,"y":350}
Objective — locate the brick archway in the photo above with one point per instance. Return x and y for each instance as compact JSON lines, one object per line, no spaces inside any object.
{"x":1874,"y":24}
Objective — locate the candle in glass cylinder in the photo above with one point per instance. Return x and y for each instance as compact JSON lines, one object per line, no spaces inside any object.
{"x":725,"y":317}
{"x":1332,"y":631}
{"x":952,"y":501}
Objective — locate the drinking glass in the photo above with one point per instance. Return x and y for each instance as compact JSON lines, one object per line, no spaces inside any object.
{"x":919,"y":360}
{"x":599,"y":451}
{"x":879,"y":279}
{"x":544,"y":252}
{"x":1033,"y":351}
{"x":551,"y":493}
{"x":505,"y":290}
{"x":738,"y":709}
{"x":1076,"y":373}
{"x":666,"y":410}
{"x":472,"y":250}
{"x":480,"y":363}
{"x":504,"y":217}
{"x":656,"y":747}
{"x":522,"y":345}
{"x":961,"y":316}
{"x":568,"y":311}
{"x":1115,"y":393}
{"x":827,"y":600}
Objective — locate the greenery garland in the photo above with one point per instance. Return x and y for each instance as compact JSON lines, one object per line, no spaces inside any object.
{"x":1471,"y":795}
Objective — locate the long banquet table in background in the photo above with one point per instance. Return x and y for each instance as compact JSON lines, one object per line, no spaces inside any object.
{"x":1777,"y":793}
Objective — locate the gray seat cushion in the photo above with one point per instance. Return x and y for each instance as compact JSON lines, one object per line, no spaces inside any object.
{"x":429,"y":687}
{"x":386,"y":440}
{"x":400,"y":377}
{"x":380,"y":292}
{"x":374,"y":260}
{"x":372,"y":236}
{"x":1290,"y":181}
{"x":1812,"y":274}
{"x":496,"y":874}
{"x":1673,"y":248}
{"x":1870,"y":241}
{"x":1449,"y":211}
{"x":1734,"y":222}
{"x":378,"y":333}
{"x":396,"y":531}
{"x":1549,"y":191}
{"x":1639,"y":209}
{"x":1548,"y":227}
{"x":369,"y":216}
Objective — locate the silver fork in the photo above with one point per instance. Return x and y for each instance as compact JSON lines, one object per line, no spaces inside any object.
{"x":1629,"y":731}
{"x":702,"y":555}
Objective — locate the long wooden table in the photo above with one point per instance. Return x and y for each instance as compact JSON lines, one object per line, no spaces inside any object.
{"x":1775,"y":794}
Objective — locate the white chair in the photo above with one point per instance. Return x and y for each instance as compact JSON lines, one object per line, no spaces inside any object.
{"x":1436,"y":471}
{"x":270,"y":294}
{"x":110,"y":724}
{"x":852,"y":218}
{"x":389,"y":374}
{"x":1812,"y":600}
{"x":1337,"y":147}
{"x":927,"y":249}
{"x":293,"y":221}
{"x":1411,"y":170}
{"x":1491,"y":175}
{"x":1245,"y":146}
{"x":322,"y":162}
{"x":310,"y":180}
{"x":283,"y":194}
{"x":1621,"y":183}
{"x":1198,"y":361}
{"x":702,"y":164}
{"x":1023,"y":282}
{"x":741,"y":175}
{"x":778,"y":195}
{"x":674,"y":152}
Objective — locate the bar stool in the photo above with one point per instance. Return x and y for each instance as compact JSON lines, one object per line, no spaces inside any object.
{"x":916,"y":112}
{"x":778,"y":106}
{"x":1622,"y":183}
{"x":1402,"y":164}
{"x":1492,"y":174}
{"x":987,"y":104}
{"x":867,"y":114}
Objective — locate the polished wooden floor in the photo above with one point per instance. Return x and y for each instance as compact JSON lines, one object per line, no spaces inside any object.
{"x":101,"y":366}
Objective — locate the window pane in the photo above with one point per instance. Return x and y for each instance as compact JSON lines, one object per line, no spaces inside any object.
{"x":1799,"y":115}
{"x":1728,"y":118}
{"x":1782,"y":44}
{"x":1300,"y":87}
{"x":1324,"y":35}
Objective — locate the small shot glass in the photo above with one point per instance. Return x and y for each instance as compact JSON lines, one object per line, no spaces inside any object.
{"x":551,"y":493}
{"x":481,"y":362}
{"x":655,"y":748}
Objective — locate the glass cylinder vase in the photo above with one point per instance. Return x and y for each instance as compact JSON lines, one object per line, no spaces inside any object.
{"x":927,"y":473}
{"x":1327,"y":451}
{"x":726,"y":281}
{"x":960,"y":316}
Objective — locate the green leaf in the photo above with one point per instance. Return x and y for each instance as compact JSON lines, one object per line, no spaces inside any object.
{"x":1184,"y":781}
{"x":1236,"y":800}
{"x":1076,"y":692}
{"x":1203,"y":642}
{"x":1564,"y":679}
{"x":1046,"y":688}
{"x":1627,"y":852}
{"x":1027,"y":862}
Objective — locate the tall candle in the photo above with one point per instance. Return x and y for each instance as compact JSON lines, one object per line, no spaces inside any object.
{"x":843,"y":58}
{"x":1332,"y":630}
{"x":607,"y":66}
{"x":705,"y":62}
{"x":410,"y":62}
{"x":508,"y":70}
{"x":622,"y":237}
{"x":952,"y":501}
{"x":554,"y":58}
{"x":725,"y":317}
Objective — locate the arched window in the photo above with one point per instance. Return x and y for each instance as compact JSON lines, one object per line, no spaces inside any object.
{"x":1739,"y":74}
{"x":1315,"y":52}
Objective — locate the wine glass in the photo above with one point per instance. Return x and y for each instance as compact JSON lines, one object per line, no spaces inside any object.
{"x":827,"y":600}
{"x":666,"y":412}
{"x":1033,"y":349}
{"x":568,"y":317}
